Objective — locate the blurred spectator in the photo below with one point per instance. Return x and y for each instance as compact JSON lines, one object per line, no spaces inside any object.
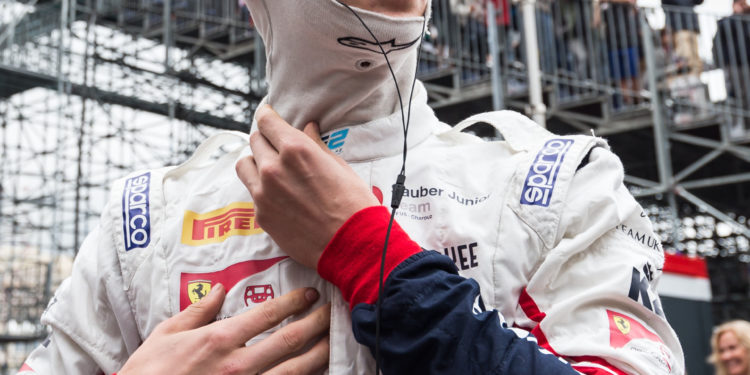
{"x":730,"y":344}
{"x":574,"y":28}
{"x":731,"y":49}
{"x":513,"y":33}
{"x":466,"y":8}
{"x":731,"y":42}
{"x":471,"y":17}
{"x":443,"y":28}
{"x":502,"y":20}
{"x":622,"y":30}
{"x":682,"y":21}
{"x":741,"y":7}
{"x":503,"y":15}
{"x":548,"y":42}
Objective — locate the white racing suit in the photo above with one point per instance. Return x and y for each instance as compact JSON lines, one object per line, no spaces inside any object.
{"x":542,"y":222}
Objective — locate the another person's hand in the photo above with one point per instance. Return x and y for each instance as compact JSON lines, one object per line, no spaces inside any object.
{"x":303,"y":193}
{"x":188,"y":343}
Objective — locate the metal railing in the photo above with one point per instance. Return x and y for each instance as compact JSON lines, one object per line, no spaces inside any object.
{"x":589,"y":53}
{"x":219,"y":25}
{"x":599,"y":54}
{"x":585,"y":53}
{"x":188,"y":13}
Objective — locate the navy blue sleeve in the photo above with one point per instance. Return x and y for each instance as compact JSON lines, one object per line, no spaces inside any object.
{"x":434,"y":322}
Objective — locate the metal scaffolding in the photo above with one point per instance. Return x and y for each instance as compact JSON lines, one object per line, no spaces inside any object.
{"x":90,"y":91}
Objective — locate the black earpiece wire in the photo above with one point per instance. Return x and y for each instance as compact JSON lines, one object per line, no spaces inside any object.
{"x":397,"y":188}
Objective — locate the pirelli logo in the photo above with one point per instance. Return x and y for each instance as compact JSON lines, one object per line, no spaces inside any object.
{"x":237,"y":219}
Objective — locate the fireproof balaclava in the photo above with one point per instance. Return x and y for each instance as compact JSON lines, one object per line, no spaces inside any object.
{"x":324,"y":66}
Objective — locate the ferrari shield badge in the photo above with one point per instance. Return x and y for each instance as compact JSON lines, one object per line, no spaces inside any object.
{"x":197,"y":289}
{"x":622,"y":324}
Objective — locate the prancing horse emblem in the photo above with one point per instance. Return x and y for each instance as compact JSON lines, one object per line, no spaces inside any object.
{"x":622,"y":324}
{"x":197,"y":289}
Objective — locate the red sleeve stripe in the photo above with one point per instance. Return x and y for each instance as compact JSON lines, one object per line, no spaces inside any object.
{"x":591,"y":365}
{"x":351,"y":261}
{"x":531,"y":309}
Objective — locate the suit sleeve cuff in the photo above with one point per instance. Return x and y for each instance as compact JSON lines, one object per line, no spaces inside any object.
{"x":351,"y":261}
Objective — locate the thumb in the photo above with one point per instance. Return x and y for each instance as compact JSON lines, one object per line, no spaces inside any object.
{"x":313,"y":132}
{"x":199,"y":313}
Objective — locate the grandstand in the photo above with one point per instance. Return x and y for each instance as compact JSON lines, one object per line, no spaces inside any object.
{"x":92,"y":89}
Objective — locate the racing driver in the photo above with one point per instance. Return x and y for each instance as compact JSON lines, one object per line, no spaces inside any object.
{"x":542,"y":223}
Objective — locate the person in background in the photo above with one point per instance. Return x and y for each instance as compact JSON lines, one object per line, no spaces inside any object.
{"x":731,"y":50}
{"x":577,"y":40}
{"x":471,"y":15}
{"x":548,"y":41}
{"x":622,"y":34}
{"x":683,"y":22}
{"x":741,"y":7}
{"x":730,"y":346}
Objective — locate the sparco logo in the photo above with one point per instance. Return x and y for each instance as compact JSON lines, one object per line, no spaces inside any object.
{"x":136,"y":216}
{"x":540,"y":182}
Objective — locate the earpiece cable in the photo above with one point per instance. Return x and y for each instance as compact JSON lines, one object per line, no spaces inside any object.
{"x":397,"y":188}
